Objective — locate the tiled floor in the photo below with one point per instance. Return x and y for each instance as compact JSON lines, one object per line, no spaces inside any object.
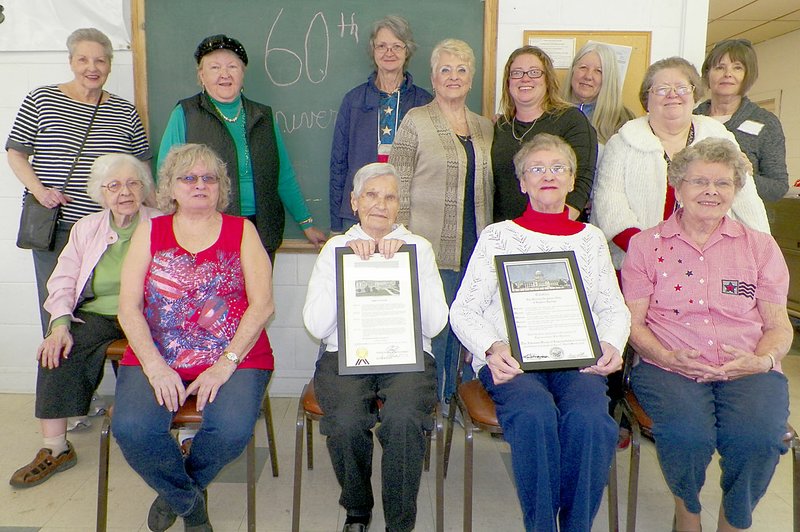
{"x":67,"y":502}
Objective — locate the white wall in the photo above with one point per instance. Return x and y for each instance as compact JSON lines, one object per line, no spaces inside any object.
{"x":778,"y":72}
{"x":678,"y":28}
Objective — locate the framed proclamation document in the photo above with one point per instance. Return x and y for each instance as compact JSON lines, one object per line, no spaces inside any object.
{"x":378,"y":312}
{"x":549,"y":322}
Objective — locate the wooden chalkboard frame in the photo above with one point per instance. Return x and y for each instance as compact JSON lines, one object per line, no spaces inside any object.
{"x":139,"y":49}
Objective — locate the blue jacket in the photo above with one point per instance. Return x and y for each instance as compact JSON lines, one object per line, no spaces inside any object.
{"x":355,"y":140}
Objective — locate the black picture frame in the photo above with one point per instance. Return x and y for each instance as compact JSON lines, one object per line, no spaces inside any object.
{"x":547,"y":314}
{"x":371,"y":301}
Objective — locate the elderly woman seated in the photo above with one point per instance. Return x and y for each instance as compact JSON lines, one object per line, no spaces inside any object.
{"x":196,"y":295}
{"x":84,"y":292}
{"x":556,"y":421}
{"x":349,"y":400}
{"x":707,"y":296}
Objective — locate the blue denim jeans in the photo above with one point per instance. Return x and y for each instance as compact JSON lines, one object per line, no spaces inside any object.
{"x":744,"y":419}
{"x":445,"y":345}
{"x":562,"y":440}
{"x":141,"y":427}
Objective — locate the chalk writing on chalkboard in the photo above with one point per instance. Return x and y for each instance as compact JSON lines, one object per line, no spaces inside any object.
{"x":319,"y":26}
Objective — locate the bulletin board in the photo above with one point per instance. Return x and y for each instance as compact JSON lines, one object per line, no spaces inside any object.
{"x":639,"y":41}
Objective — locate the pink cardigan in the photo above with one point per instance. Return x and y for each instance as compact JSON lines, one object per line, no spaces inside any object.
{"x":88,"y":240}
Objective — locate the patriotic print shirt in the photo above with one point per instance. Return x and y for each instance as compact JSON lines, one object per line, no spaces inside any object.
{"x":193,"y":303}
{"x":701,"y":298}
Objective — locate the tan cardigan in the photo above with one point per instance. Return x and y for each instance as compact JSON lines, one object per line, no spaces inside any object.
{"x":432,"y":166}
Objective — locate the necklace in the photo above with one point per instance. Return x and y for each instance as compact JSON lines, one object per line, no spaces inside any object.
{"x":514,"y":127}
{"x":231,"y":120}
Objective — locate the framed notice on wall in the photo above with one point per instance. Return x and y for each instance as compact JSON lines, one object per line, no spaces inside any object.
{"x":631,"y":47}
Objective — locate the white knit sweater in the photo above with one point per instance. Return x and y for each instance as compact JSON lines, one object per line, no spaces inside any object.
{"x":477,"y":316}
{"x":630,"y":188}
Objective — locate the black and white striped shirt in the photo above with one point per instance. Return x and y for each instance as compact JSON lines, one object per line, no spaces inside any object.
{"x":50,"y":126}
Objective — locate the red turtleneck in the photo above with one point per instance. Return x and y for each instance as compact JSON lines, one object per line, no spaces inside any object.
{"x":550,"y":224}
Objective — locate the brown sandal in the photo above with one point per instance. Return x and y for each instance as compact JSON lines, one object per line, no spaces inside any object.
{"x":43,"y":467}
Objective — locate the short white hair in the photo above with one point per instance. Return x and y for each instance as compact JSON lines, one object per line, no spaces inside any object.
{"x":370,"y":171}
{"x":105,"y":166}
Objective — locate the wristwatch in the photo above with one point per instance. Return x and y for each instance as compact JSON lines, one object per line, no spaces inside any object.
{"x":233,"y":357}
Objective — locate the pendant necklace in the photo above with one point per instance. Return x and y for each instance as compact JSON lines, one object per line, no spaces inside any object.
{"x":514,"y":127}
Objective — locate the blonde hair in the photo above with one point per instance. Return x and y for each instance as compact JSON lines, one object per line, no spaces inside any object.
{"x":458,"y":48}
{"x":552,"y":100}
{"x":609,"y":113}
{"x":182,"y":158}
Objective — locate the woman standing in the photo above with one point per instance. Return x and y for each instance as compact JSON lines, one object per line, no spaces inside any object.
{"x":196,"y":295}
{"x":442,"y":156}
{"x":371,"y":111}
{"x":729,"y":71}
{"x":594,"y":87}
{"x":50,"y":127}
{"x":631,"y":190}
{"x":531,"y":105}
{"x":244,"y":134}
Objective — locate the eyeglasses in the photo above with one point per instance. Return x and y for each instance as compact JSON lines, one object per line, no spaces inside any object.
{"x":719,"y":184}
{"x":666,"y":90}
{"x":192,"y":179}
{"x":556,"y":169}
{"x":534,"y":73}
{"x":396,"y":48}
{"x":116,"y":186}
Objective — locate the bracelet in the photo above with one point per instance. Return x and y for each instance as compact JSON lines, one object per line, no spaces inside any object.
{"x":771,"y":362}
{"x":308,"y":221}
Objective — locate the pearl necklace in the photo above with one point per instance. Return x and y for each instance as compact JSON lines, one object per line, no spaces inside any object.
{"x":230,"y":120}
{"x":514,"y":126}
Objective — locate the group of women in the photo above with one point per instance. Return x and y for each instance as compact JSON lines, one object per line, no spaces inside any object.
{"x":194,"y":293}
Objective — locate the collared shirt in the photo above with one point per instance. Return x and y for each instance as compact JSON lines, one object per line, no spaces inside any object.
{"x":702,"y":297}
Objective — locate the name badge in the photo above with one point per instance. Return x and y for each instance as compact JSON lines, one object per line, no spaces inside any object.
{"x":750,"y":127}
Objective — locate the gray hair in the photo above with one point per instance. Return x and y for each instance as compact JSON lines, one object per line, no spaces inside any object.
{"x":370,"y":171}
{"x":105,"y":166}
{"x":544,"y":141}
{"x":710,"y":150}
{"x":179,"y":160}
{"x":458,"y":48}
{"x":90,"y":35}
{"x":678,"y":63}
{"x":401,"y":29}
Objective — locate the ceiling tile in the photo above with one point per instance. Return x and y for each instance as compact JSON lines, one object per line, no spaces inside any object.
{"x":795,"y":15}
{"x":719,"y":8}
{"x":769,"y":31}
{"x":763,"y":10}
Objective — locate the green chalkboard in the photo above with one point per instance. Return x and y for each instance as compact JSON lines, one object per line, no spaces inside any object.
{"x":304,"y":55}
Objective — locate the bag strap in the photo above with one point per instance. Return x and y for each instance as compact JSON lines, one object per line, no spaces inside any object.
{"x":83,"y":142}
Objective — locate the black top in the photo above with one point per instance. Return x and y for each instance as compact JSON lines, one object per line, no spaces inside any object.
{"x":469,"y":229}
{"x":573,"y":127}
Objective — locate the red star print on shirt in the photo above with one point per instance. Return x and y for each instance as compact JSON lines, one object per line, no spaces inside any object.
{"x":660,"y":259}
{"x":678,"y":288}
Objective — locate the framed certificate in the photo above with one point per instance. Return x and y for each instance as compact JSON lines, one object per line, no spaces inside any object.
{"x":549,"y":322}
{"x":378,"y":312}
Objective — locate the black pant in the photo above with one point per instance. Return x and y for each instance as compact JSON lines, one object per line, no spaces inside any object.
{"x":349,"y":403}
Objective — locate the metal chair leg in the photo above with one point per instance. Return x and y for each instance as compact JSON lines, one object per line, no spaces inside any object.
{"x":633,"y":482}
{"x":310,"y":442}
{"x":613,"y":508}
{"x":298,"y":464}
{"x":102,"y":475}
{"x":439,"y":471}
{"x":251,"y":484}
{"x":468,"y":428}
{"x":273,"y":451}
{"x":796,"y":482}
{"x":448,"y":442}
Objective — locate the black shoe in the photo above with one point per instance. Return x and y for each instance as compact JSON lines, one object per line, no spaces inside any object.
{"x":357,"y":523}
{"x":161,"y":516}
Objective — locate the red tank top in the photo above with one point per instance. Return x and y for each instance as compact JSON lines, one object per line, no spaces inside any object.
{"x":193,"y":303}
